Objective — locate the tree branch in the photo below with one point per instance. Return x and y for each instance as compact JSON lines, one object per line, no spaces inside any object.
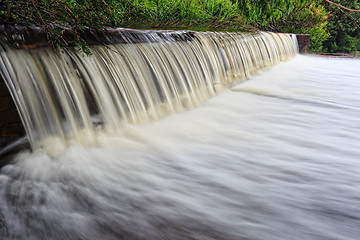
{"x":340,"y":6}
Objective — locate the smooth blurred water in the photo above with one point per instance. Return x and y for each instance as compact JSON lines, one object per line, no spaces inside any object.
{"x":276,"y":157}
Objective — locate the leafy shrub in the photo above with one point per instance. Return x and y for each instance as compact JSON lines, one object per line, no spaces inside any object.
{"x":344,"y":28}
{"x":305,"y":17}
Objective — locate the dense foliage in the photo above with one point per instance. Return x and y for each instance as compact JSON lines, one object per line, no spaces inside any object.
{"x":149,"y":13}
{"x":295,"y":16}
{"x":344,"y":27}
{"x":332,"y":28}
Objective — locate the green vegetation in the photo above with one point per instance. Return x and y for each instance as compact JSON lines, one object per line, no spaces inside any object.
{"x":332,"y":28}
{"x":293,"y":16}
{"x":344,"y":27}
{"x":124,"y":13}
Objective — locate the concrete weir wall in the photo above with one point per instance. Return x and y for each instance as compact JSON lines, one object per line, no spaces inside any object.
{"x":20,"y":37}
{"x":303,"y":42}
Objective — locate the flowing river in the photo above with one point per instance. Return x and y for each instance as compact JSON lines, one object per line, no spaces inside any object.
{"x":275,"y":157}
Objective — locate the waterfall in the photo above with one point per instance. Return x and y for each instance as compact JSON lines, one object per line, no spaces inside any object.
{"x":64,"y":97}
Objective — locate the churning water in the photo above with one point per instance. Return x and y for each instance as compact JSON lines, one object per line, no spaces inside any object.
{"x":276,"y":157}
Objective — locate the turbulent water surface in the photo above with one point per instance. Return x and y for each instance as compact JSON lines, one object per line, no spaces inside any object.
{"x":276,"y":157}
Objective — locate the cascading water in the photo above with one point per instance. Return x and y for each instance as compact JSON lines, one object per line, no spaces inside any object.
{"x":60,"y":95}
{"x":273,"y":158}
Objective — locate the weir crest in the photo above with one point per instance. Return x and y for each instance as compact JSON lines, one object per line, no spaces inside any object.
{"x":64,"y":96}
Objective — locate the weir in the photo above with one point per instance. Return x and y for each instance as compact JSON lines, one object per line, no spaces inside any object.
{"x":64,"y":97}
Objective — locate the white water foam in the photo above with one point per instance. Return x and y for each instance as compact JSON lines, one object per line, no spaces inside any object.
{"x":276,"y":157}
